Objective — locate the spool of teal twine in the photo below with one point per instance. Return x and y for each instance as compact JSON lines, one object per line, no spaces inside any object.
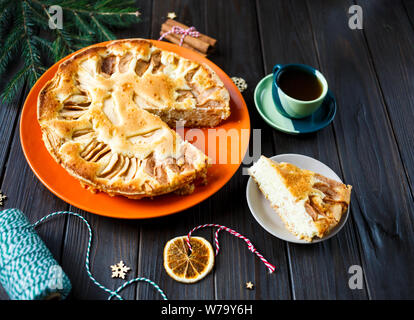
{"x":28,"y":270}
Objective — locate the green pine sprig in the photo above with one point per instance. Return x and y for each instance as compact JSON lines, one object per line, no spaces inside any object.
{"x":26,"y":38}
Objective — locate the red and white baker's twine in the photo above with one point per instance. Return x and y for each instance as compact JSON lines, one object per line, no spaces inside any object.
{"x":185,"y":32}
{"x":270,"y":266}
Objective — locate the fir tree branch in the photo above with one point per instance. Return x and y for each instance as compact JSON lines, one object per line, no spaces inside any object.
{"x":38,"y":14}
{"x":105,"y":32}
{"x":17,"y":82}
{"x":57,"y":31}
{"x":10,"y":47}
{"x":3,"y":10}
{"x":85,"y":22}
{"x":32,"y":57}
{"x":96,"y":12}
{"x":84,"y":26}
{"x":5,"y":17}
{"x":47,"y":48}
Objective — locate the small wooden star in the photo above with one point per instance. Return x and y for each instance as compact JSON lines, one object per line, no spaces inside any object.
{"x":171,"y":15}
{"x":3,"y":197}
{"x":249,"y":285}
{"x":119,"y":270}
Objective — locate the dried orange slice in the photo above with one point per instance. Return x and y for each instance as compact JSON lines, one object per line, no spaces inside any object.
{"x":185,"y":266}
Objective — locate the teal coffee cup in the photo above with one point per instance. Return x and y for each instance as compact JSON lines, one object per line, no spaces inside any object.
{"x":298,"y":90}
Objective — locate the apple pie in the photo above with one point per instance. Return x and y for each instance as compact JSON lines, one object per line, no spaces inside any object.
{"x":309,"y":203}
{"x":106,"y":117}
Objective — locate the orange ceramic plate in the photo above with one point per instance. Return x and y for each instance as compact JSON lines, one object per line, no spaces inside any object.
{"x":66,"y":187}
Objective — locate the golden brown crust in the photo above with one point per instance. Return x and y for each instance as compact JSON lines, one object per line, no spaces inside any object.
{"x":97,"y":122}
{"x":295,"y":179}
{"x":325,"y":200}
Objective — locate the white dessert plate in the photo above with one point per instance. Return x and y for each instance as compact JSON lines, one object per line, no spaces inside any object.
{"x":268,"y":218}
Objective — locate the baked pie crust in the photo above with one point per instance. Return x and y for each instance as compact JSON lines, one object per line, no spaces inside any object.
{"x":104,"y":117}
{"x":309,"y":203}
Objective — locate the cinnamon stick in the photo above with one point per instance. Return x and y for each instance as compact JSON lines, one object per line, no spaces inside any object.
{"x":195,"y":43}
{"x":211,"y":41}
{"x":175,"y":40}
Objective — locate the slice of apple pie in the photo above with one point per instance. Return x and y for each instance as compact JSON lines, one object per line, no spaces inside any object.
{"x":309,"y":203}
{"x":105,"y":115}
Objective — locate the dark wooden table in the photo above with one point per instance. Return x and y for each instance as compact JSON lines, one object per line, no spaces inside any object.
{"x":370,"y":145}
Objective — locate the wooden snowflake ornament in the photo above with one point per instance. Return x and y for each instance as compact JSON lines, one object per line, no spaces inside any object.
{"x":119,"y":270}
{"x":3,"y":198}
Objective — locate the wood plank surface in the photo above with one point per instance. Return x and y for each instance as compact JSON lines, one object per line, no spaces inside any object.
{"x":26,"y":192}
{"x":382,"y":204}
{"x":369,"y":145}
{"x":235,"y":265}
{"x":234,"y":25}
{"x":286,"y":35}
{"x":387,"y":22}
{"x":156,"y":232}
{"x":114,"y":239}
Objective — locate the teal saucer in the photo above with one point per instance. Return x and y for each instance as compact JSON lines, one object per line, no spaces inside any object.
{"x":268,"y":110}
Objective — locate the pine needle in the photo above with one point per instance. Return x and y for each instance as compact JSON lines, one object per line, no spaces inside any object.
{"x":12,"y":89}
{"x":85,"y":22}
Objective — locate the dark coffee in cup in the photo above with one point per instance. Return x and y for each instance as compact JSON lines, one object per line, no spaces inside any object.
{"x":300,"y":84}
{"x":298,"y":90}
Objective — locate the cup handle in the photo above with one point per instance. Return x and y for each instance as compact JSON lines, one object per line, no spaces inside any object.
{"x":277,"y":67}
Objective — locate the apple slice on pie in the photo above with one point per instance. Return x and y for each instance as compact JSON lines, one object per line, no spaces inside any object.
{"x":105,"y":118}
{"x":309,"y":203}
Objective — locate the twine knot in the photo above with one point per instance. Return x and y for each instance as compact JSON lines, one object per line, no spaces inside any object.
{"x":192,"y":32}
{"x":250,"y":246}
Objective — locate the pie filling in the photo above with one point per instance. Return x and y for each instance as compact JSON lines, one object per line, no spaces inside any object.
{"x":105,"y":117}
{"x":309,"y":204}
